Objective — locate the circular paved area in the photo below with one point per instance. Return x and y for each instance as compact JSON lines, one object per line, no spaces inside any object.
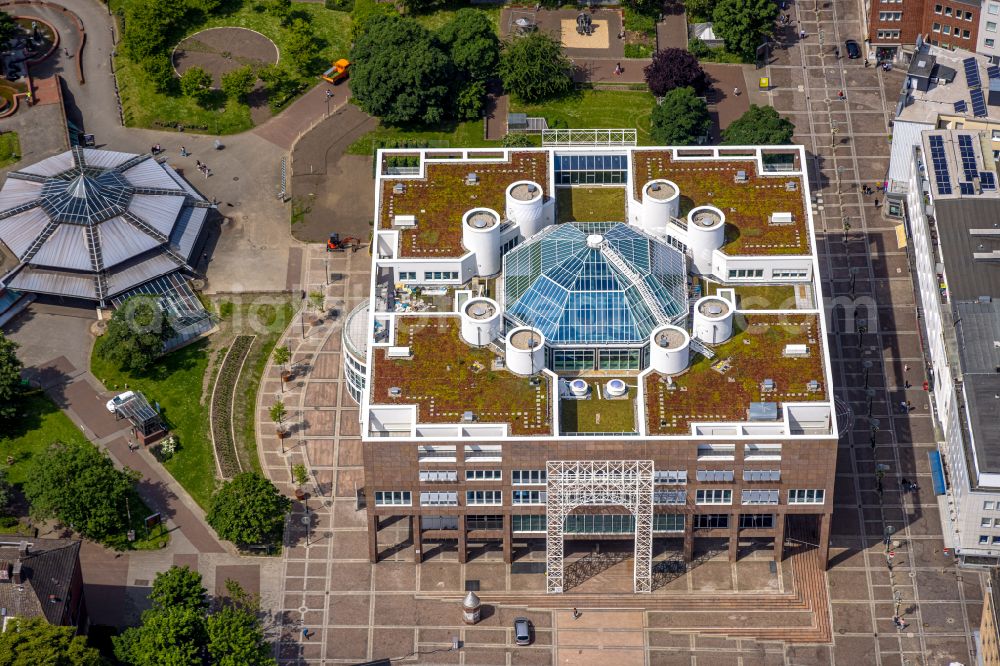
{"x":221,"y":50}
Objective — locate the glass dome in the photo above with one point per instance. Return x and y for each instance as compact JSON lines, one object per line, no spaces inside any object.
{"x":595,"y":282}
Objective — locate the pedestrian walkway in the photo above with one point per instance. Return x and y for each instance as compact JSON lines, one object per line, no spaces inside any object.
{"x":284,"y":129}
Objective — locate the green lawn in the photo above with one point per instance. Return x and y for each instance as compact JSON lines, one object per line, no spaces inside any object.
{"x":41,"y":424}
{"x":590,"y":109}
{"x":451,"y":135}
{"x":759,"y":296}
{"x":440,"y":16}
{"x":590,"y":204}
{"x":10,"y":148}
{"x":598,"y":414}
{"x":145,"y":107}
{"x":175,"y":381}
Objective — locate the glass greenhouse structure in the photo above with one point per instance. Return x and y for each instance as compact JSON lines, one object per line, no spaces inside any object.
{"x":592,"y":285}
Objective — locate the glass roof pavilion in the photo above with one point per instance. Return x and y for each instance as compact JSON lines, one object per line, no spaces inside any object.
{"x":595,"y":283}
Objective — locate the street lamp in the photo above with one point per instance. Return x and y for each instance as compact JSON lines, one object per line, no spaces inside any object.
{"x":866,"y":364}
{"x":871,"y":396}
{"x":329,"y":96}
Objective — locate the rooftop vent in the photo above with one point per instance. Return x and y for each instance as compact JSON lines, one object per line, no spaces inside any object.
{"x":399,"y":188}
{"x":16,"y":575}
{"x":985,"y":299}
{"x":768,"y":386}
{"x":714,"y":309}
{"x":763,"y":411}
{"x":741,"y":176}
{"x":655,"y":187}
{"x":812,"y":386}
{"x":395,"y":391}
{"x":791,"y":186}
{"x":781,"y":219}
{"x":532,"y":189}
{"x":796,"y":351}
{"x":398,"y":352}
{"x":404,"y":221}
{"x":468,"y":417}
{"x":472,"y":178}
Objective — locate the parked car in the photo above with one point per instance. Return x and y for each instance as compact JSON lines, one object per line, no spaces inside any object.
{"x":853,"y":50}
{"x":522,"y":631}
{"x":119,"y":400}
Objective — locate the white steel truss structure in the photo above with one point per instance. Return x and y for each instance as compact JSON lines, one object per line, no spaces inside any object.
{"x":572,"y":484}
{"x":588,"y":137}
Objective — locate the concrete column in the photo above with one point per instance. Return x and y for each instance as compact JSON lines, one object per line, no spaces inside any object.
{"x":418,"y":542}
{"x":463,"y":550}
{"x":372,"y":538}
{"x":779,"y":537}
{"x":734,"y":536}
{"x":824,"y":539}
{"x":688,"y":538}
{"x":508,"y":555}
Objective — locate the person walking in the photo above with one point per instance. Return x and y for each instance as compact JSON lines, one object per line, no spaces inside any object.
{"x":736,"y":92}
{"x":184,"y":152}
{"x":576,"y":614}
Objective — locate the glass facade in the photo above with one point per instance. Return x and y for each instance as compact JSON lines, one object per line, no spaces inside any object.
{"x":591,"y":169}
{"x":577,"y":294}
{"x":620,"y":359}
{"x":572,"y":359}
{"x":599,"y":524}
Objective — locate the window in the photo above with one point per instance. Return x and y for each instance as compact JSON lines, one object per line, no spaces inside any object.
{"x":760,"y":497}
{"x":528,"y":477}
{"x":439,"y":522}
{"x":987,"y":506}
{"x":996,"y":522}
{"x":437,"y":276}
{"x":753,"y":475}
{"x":947,"y":11}
{"x":993,"y":9}
{"x":937,"y":9}
{"x":716,"y":452}
{"x":572,"y":359}
{"x":990,"y":43}
{"x":886,"y":34}
{"x":744,"y":273}
{"x":439,"y":499}
{"x":392,"y":498}
{"x":405,"y":276}
{"x":528,"y":523}
{"x":806,"y":496}
{"x":435,"y":453}
{"x":436,"y":476}
{"x":618,"y":359}
{"x":510,"y":245}
{"x":670,"y":476}
{"x":968,"y":16}
{"x":991,"y":26}
{"x":481,"y":497}
{"x":483,"y":453}
{"x":715,"y":475}
{"x":983,"y":539}
{"x":714,"y":496}
{"x":668,"y":522}
{"x":485,"y":522}
{"x":787,"y":273}
{"x":898,"y":16}
{"x":587,"y":523}
{"x":936,"y":27}
{"x":483,"y":475}
{"x":528,"y":497}
{"x":756,"y":521}
{"x":591,"y":169}
{"x":670,"y":497}
{"x":946,"y":29}
{"x":762,"y":451}
{"x":995,"y":540}
{"x":711,"y":521}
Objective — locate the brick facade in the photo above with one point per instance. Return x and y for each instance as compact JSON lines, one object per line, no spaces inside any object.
{"x":899,"y":23}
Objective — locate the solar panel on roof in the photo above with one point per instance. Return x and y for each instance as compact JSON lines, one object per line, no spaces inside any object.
{"x":993,"y":72}
{"x":968,"y":157}
{"x":961,"y":106}
{"x":940,"y":164}
{"x":978,"y":103}
{"x":972,"y":72}
{"x":966,"y":188}
{"x":988,"y":180}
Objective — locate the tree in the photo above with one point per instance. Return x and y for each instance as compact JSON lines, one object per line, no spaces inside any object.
{"x":399,"y":73}
{"x":278,"y":413}
{"x":280,"y":9}
{"x":160,"y":71}
{"x":675,"y":68}
{"x":8,"y":27}
{"x":417,"y":6}
{"x":699,"y":11}
{"x":516,"y":141}
{"x":178,"y":586}
{"x":30,"y":642}
{"x":196,"y":83}
{"x":472,"y":43}
{"x":239,"y":83}
{"x":743,"y":24}
{"x":759,"y":126}
{"x":79,"y":484}
{"x":10,"y":377}
{"x":5,"y":491}
{"x":300,"y":46}
{"x":366,"y":10}
{"x":136,"y":334}
{"x":235,"y":638}
{"x":150,"y":27}
{"x":681,"y":119}
{"x":281,"y":355}
{"x":470,"y":101}
{"x":248,"y":510}
{"x":173,"y":635}
{"x":534,"y":69}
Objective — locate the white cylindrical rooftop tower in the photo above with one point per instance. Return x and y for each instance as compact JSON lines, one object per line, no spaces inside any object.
{"x":525,"y":350}
{"x":481,"y":321}
{"x":661,"y":200}
{"x":706,"y":233}
{"x":481,"y":236}
{"x":525,"y":207}
{"x":713,"y":320}
{"x":669,"y":350}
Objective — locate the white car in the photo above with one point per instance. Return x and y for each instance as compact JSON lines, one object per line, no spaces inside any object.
{"x":119,"y":400}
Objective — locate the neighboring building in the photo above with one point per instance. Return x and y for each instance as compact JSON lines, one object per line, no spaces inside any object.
{"x":98,"y":225}
{"x":988,"y":645}
{"x":953,"y":219}
{"x":898,"y":25}
{"x":42,"y":578}
{"x":557,"y":334}
{"x":988,"y":42}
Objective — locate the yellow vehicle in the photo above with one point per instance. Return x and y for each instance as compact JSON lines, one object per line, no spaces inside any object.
{"x":338,"y":72}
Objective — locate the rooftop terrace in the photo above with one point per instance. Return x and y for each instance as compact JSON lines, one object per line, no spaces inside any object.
{"x":748,"y":206}
{"x":446,"y":377}
{"x":721,"y":389}
{"x":439,"y":200}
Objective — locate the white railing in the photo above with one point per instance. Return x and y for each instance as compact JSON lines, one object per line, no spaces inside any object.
{"x":589,"y":137}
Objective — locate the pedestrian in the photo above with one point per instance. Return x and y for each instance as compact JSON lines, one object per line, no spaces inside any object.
{"x":836,"y":52}
{"x":906,"y":368}
{"x":184,"y":151}
{"x":576,"y":614}
{"x":909,"y":406}
{"x":618,"y":69}
{"x":867,"y":64}
{"x":876,"y":202}
{"x":840,"y":94}
{"x":802,"y":34}
{"x":305,"y":633}
{"x":198,"y":162}
{"x":736,"y":91}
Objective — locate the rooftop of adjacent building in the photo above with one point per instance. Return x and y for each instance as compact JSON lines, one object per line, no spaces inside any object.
{"x":46,"y":571}
{"x":951,"y":84}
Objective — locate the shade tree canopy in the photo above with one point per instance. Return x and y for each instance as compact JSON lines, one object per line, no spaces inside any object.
{"x":759,"y":126}
{"x":249,"y":510}
{"x":533,"y":68}
{"x":675,"y":68}
{"x":744,"y":24}
{"x":472,"y":44}
{"x":681,"y":119}
{"x":30,"y":642}
{"x":10,"y":378}
{"x":136,"y":334}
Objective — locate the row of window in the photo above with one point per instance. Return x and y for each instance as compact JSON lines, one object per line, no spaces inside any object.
{"x":989,"y":522}
{"x":964,"y":34}
{"x":538,"y":497}
{"x":958,"y":13}
{"x":750,"y":452}
{"x":474,"y":453}
{"x":569,"y":360}
{"x":744,"y":273}
{"x":428,"y":276}
{"x":789,"y":273}
{"x":493,"y":452}
{"x":888,"y":34}
{"x":890,"y":16}
{"x":538,"y":477}
{"x":985,"y":539}
{"x":598,"y":524}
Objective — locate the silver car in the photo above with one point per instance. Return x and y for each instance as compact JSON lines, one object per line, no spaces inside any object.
{"x":522,"y":631}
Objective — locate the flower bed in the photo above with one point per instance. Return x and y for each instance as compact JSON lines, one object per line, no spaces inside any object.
{"x":223,"y":440}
